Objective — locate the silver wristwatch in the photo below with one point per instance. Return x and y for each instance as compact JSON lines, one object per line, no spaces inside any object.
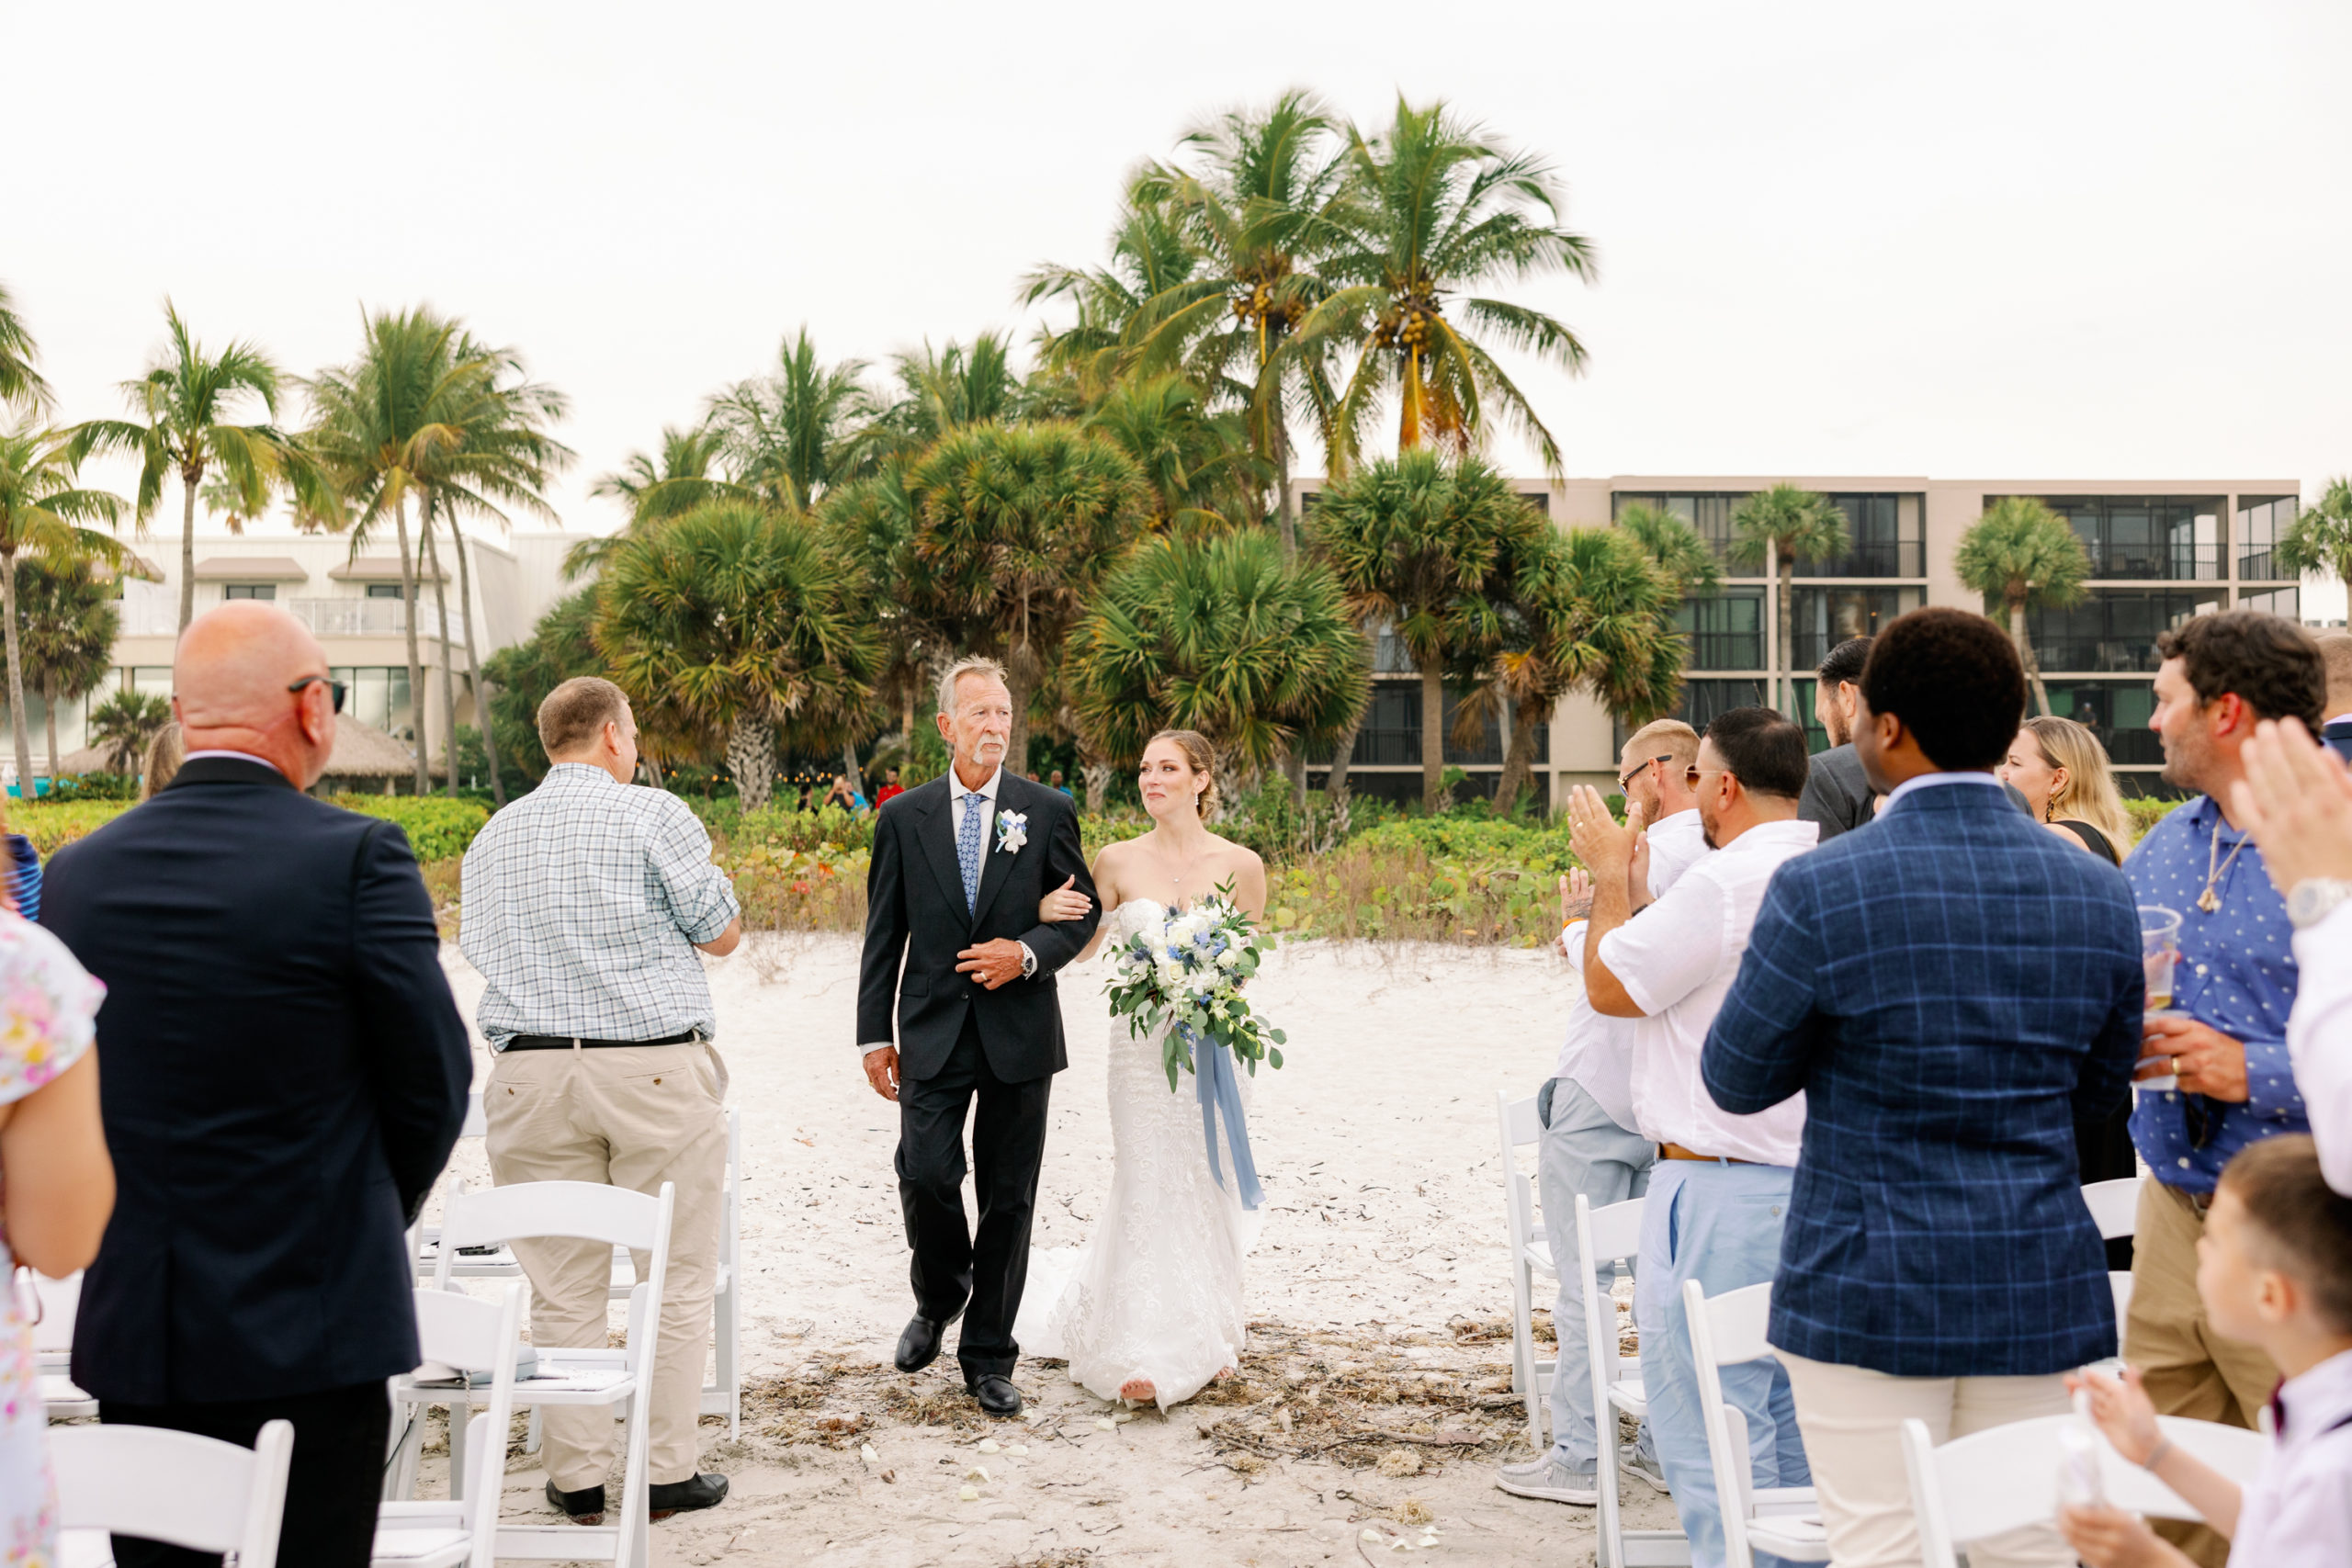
{"x":2313,"y":899}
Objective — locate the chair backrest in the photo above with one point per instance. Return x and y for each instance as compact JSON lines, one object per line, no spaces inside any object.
{"x":2119,"y":1282}
{"x":174,"y":1487}
{"x":1520,"y":1123}
{"x":584,"y":1211}
{"x":476,"y":1125}
{"x":1608,"y":1233}
{"x":60,"y":1300}
{"x":1724,"y":1331}
{"x":463,"y":1332}
{"x":1615,"y":1230}
{"x":1517,"y":1121}
{"x":2114,"y":1206}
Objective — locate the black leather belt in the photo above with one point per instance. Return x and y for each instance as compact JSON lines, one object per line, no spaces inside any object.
{"x":566,"y":1042}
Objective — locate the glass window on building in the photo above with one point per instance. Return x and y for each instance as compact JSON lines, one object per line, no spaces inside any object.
{"x":1886,"y":537}
{"x":378,"y":697}
{"x":2112,"y":628}
{"x":1704,"y":699}
{"x":385,"y":590}
{"x":2261,"y":520}
{"x":1389,"y":654}
{"x":2117,"y":712}
{"x":1827,"y":617}
{"x":1817,"y":735}
{"x":1710,"y":513}
{"x":2133,"y":538}
{"x":249,"y":591}
{"x":1725,"y":630}
{"x":1538,"y":499}
{"x":2283,"y":602}
{"x":1391,"y":734}
{"x":1489,"y":749}
{"x":151,"y":680}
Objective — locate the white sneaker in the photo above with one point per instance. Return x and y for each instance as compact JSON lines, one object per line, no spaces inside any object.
{"x":1645,"y":1467}
{"x":1551,"y":1480}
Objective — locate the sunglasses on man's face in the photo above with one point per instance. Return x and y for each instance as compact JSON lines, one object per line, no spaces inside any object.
{"x":1626,"y":779}
{"x":336,"y":689}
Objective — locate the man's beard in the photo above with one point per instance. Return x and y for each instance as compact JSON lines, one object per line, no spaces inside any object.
{"x":1707,"y":829}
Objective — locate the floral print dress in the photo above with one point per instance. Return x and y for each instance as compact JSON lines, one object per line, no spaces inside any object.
{"x":49,"y":1008}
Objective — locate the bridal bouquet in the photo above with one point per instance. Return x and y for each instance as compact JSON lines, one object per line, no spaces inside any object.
{"x":1187,"y":972}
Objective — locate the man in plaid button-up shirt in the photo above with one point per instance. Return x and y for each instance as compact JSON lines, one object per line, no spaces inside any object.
{"x":584,"y":902}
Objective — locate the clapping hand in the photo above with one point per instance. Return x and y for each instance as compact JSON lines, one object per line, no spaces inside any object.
{"x":1606,"y":847}
{"x":2121,"y":1410}
{"x":2296,"y":799}
{"x":1576,"y":896}
{"x":1064,"y":903}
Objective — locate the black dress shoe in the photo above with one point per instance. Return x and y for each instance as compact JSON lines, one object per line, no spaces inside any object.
{"x":682,"y":1497}
{"x":919,"y":1346}
{"x":585,"y":1507}
{"x":996,"y":1394}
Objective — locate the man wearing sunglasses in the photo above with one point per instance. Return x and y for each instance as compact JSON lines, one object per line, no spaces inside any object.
{"x":286,"y":1072}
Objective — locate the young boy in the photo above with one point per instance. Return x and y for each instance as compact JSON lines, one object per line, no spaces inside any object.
{"x":2275,"y":1269}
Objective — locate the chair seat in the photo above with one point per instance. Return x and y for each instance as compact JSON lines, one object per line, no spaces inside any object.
{"x":1539,"y":1255}
{"x":65,"y":1399}
{"x":1798,"y":1538}
{"x":84,"y":1549}
{"x":558,"y":1385}
{"x":420,"y":1546}
{"x":1626,"y":1394}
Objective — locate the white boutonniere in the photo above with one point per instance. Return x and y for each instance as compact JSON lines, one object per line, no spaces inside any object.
{"x":1012,"y":831}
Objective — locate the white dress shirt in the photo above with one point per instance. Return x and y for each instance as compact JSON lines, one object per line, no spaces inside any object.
{"x":1677,"y":962}
{"x":1598,"y":1050}
{"x":2297,"y":1512}
{"x":2319,"y":1040}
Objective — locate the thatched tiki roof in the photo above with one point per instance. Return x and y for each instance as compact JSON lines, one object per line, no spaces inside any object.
{"x":360,"y":752}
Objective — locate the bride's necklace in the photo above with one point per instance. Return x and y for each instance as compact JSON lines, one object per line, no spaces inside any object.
{"x":1177,"y":878}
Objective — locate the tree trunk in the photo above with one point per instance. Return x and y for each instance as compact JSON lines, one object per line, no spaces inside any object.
{"x":1519,"y":761}
{"x":2025,"y":656}
{"x":1433,"y":740}
{"x":20,"y":731}
{"x":1284,"y":524}
{"x":1023,"y":675}
{"x":1784,"y":663}
{"x":441,"y":634}
{"x":415,"y":666}
{"x":188,"y":482}
{"x":473,"y":665}
{"x":49,"y":701}
{"x":1096,"y":775}
{"x":1335,"y":784}
{"x":751,"y":758}
{"x":848,"y":765}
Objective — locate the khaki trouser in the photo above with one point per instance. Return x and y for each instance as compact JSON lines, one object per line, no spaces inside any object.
{"x":2190,"y":1370}
{"x":634,"y":1117}
{"x":1852,"y":1420}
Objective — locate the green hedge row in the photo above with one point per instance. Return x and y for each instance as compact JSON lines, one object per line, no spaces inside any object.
{"x":437,"y":827}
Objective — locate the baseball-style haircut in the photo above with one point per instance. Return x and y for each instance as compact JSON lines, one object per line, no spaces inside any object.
{"x":1955,"y":680}
{"x":2271,"y":663}
{"x":1665,"y":738}
{"x":576,"y":711}
{"x":1764,"y":749}
{"x":2335,"y":652}
{"x":974,"y":664}
{"x":1844,"y":665}
{"x":2304,"y":1226}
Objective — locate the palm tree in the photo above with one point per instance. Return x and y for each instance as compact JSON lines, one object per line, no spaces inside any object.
{"x":1198,"y":463}
{"x":790,"y":435}
{"x":2318,"y":543}
{"x":734,"y":619}
{"x":20,"y":379}
{"x":941,"y":391}
{"x":1423,"y":545}
{"x":522,"y":674}
{"x":1013,"y":529}
{"x":123,"y":724}
{"x":43,"y":512}
{"x":70,"y":623}
{"x":688,"y":471}
{"x":1152,"y":261}
{"x":187,"y":400}
{"x":1675,"y":546}
{"x":1773,"y":530}
{"x":1434,"y":206}
{"x":1229,"y":637}
{"x":2020,"y":555}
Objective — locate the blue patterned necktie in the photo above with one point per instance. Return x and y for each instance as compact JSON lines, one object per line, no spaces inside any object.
{"x":968,"y":849}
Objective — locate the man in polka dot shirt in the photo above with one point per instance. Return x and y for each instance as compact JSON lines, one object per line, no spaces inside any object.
{"x":2224,"y":1040}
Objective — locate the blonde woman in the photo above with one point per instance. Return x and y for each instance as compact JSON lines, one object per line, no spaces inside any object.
{"x":2061,"y":770}
{"x":1150,"y":1309}
{"x":164,"y":754}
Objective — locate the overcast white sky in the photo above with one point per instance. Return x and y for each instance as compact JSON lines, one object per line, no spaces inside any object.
{"x":2014,"y":239}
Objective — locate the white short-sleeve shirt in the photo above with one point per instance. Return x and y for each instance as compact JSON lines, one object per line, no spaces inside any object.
{"x":1598,"y":1050}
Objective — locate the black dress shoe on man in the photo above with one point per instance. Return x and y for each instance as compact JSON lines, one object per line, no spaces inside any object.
{"x":919,"y":1346}
{"x":682,"y":1496}
{"x":585,"y":1507}
{"x":996,"y":1394}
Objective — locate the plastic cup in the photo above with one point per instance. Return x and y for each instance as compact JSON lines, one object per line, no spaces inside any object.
{"x":2159,"y":951}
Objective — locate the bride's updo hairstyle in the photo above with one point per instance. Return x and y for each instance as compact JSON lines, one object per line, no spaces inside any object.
{"x":1202,"y":758}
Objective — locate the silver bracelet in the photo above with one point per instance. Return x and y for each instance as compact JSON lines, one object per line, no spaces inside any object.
{"x":2156,"y":1454}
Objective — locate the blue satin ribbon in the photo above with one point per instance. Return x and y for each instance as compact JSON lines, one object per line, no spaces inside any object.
{"x":1221,"y":1091}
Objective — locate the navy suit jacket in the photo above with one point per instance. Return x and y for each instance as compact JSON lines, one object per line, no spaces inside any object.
{"x":284,"y":1072}
{"x":1950,"y":987}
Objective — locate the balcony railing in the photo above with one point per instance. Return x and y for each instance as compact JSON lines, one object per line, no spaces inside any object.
{"x":1876,"y":558}
{"x":1724,"y":650}
{"x":325,"y":617}
{"x":2258,"y":566}
{"x":2180,"y":563}
{"x":2072,"y":653}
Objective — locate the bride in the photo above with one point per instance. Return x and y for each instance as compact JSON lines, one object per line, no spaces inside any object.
{"x":1150,"y":1310}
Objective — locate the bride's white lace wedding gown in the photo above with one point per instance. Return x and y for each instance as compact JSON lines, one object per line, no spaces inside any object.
{"x":1156,"y":1291}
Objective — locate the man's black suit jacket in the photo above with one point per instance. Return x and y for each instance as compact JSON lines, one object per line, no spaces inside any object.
{"x":914,"y":895}
{"x":283,"y":1073}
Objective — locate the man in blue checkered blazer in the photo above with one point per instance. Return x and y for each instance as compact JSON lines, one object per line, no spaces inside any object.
{"x":1950,"y":988}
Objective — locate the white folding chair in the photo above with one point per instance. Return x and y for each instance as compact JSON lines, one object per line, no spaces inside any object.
{"x":1726,"y":1331}
{"x":463,"y":1336}
{"x":609,"y":1378}
{"x":56,"y":1302}
{"x":2115,"y":1209}
{"x":1614,"y":1232}
{"x":1531,"y":1255}
{"x":172,"y":1487}
{"x":2006,"y":1477}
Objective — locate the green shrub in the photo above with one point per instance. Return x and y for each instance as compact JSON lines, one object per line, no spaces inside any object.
{"x":94,"y":786}
{"x":2146,"y":811}
{"x":50,"y":825}
{"x":437,"y":827}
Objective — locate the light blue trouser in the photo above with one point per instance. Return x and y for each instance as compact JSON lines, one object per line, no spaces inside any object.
{"x":1582,"y":1150}
{"x":1719,"y":1224}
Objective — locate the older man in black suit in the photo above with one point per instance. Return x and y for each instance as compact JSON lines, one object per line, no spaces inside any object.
{"x":286,"y":1072}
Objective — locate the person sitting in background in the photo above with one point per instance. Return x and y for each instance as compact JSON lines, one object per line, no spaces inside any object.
{"x":2335,"y":648}
{"x":2296,"y":799}
{"x":1837,"y":796}
{"x":842,"y":795}
{"x":2061,"y":770}
{"x":1719,"y":1193}
{"x":889,"y":791}
{"x":164,"y":754}
{"x":56,"y":1190}
{"x":2223,"y":1042}
{"x":1056,"y":783}
{"x":2276,"y":1271}
{"x":1949,"y":992}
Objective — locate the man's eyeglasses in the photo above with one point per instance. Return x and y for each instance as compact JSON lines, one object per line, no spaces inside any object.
{"x":1626,"y":779}
{"x":336,"y":689}
{"x":1695,"y":772}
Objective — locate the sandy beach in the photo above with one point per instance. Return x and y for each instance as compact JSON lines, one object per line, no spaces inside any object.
{"x":1372,"y":1397}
